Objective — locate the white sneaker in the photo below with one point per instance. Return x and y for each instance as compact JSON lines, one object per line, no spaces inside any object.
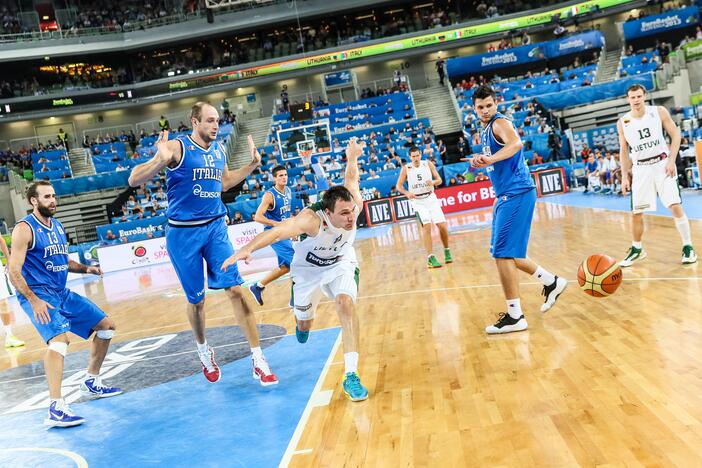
{"x":552,"y":291}
{"x":632,"y":256}
{"x":507,"y":324}
{"x":688,"y":255}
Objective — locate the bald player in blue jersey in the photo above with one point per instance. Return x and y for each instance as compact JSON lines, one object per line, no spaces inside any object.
{"x":196,"y":175}
{"x":39,"y":267}
{"x":515,"y":193}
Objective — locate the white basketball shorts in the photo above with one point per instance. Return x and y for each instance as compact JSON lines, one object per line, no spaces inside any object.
{"x":428,"y":209}
{"x":310,"y":284}
{"x":649,"y":181}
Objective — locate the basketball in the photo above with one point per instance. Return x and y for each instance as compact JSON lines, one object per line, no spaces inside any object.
{"x":599,"y":275}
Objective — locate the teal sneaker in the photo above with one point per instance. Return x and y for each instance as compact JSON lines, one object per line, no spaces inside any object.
{"x":447,"y":256}
{"x":353,"y":388}
{"x":302,"y":336}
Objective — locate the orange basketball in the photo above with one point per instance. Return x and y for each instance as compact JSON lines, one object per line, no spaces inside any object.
{"x":599,"y":275}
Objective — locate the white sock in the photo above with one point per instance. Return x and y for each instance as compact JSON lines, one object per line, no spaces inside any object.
{"x":8,"y":330}
{"x":260,"y":285}
{"x":257,"y":353}
{"x":350,"y":362}
{"x":89,"y":376}
{"x":514,"y":308}
{"x":683,"y":226}
{"x":59,"y":402}
{"x":637,"y":245}
{"x":544,"y":276}
{"x":202,"y":348}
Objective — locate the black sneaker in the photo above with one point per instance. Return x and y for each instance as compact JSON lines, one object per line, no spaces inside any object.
{"x":506,"y":324}
{"x":552,"y":291}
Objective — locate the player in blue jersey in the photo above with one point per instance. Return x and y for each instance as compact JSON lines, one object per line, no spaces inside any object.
{"x":515,"y":193}
{"x":39,"y":267}
{"x":275,"y":208}
{"x":196,"y":176}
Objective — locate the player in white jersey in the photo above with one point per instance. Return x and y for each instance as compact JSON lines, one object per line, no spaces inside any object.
{"x":324,"y":263}
{"x":646,"y":154}
{"x":422,"y":177}
{"x":6,"y":290}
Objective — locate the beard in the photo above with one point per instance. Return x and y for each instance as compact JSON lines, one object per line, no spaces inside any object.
{"x":46,"y":211}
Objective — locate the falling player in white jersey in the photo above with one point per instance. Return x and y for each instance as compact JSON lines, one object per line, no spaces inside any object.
{"x":324,"y":263}
{"x":421,"y":178}
{"x":646,"y":154}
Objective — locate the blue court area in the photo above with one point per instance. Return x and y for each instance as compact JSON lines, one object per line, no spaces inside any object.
{"x":184,"y":422}
{"x":692,"y":202}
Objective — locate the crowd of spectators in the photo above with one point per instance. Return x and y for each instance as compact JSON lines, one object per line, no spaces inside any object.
{"x":228,"y":51}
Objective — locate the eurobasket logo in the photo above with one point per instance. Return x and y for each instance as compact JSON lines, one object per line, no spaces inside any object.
{"x":139,"y":251}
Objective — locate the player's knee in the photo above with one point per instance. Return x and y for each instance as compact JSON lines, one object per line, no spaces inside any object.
{"x":106,"y":324}
{"x":234,"y":293}
{"x":345,"y":302}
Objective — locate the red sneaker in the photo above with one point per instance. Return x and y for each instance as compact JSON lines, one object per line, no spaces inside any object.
{"x":262,"y":372}
{"x":213,"y":375}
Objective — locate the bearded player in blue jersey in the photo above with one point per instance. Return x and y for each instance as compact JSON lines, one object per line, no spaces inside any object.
{"x":196,"y":176}
{"x":515,"y":190}
{"x":273,"y":210}
{"x":39,"y":267}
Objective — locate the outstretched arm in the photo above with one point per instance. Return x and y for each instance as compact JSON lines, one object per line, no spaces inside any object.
{"x":168,"y":152}
{"x":307,"y":222}
{"x":353,"y":151}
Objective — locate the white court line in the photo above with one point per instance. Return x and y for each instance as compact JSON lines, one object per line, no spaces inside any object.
{"x":295,"y":439}
{"x":79,"y":461}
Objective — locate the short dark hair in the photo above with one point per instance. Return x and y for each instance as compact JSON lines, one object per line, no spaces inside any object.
{"x":277,"y":169}
{"x":484,"y":92}
{"x":32,"y":189}
{"x":635,"y":87}
{"x":330,"y":197}
{"x":413,"y":149}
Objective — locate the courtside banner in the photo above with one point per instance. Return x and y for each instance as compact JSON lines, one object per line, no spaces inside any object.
{"x":403,"y":208}
{"x":551,"y":181}
{"x":379,"y":211}
{"x":466,"y":196}
{"x":153,"y":251}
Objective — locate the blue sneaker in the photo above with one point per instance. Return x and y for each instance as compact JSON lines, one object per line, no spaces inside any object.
{"x":60,"y":415}
{"x":94,"y":387}
{"x":257,"y":293}
{"x":302,"y":336}
{"x":353,"y":388}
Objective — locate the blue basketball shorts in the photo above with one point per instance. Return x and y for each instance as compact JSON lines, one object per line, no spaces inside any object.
{"x":511,"y":225}
{"x":189,"y":246}
{"x":284,"y":250}
{"x":71,"y":313}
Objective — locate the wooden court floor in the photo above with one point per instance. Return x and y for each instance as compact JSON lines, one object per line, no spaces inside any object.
{"x":594,"y":382}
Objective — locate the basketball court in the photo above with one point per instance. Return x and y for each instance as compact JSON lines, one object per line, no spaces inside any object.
{"x":592,"y":382}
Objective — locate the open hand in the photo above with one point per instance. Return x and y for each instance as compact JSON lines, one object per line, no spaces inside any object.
{"x":94,"y":270}
{"x":164,"y":153}
{"x":255,"y":155}
{"x":242,"y":254}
